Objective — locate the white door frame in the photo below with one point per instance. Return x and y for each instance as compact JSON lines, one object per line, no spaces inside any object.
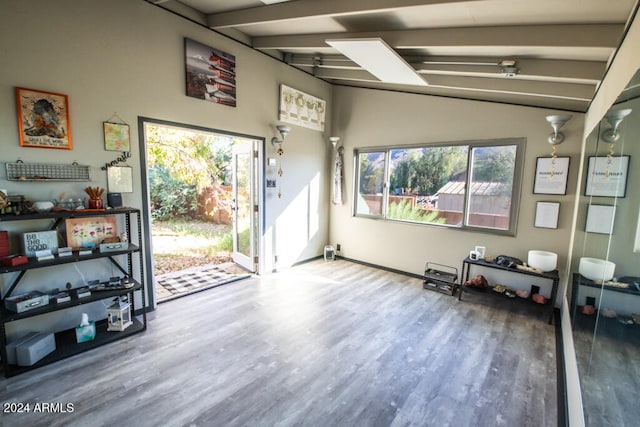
{"x":145,"y":198}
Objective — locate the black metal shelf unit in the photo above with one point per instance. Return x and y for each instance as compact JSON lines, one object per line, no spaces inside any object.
{"x":442,"y":279}
{"x":551,"y":275}
{"x":66,"y":344}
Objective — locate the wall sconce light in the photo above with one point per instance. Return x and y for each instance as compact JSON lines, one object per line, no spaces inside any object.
{"x":334,"y":141}
{"x":277,"y":143}
{"x":556,"y":137}
{"x":614,"y":118}
{"x":556,"y":122}
{"x":611,"y":135}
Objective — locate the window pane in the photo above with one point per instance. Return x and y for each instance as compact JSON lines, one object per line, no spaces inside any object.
{"x":371,"y":167}
{"x":427,"y":184}
{"x":492,"y":172}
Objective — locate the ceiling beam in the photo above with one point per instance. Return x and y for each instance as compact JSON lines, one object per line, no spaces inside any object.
{"x":322,"y":61}
{"x":181,"y":9}
{"x":585,"y":72}
{"x":532,"y":100}
{"x":578,"y":35}
{"x":504,"y":85}
{"x":301,"y":9}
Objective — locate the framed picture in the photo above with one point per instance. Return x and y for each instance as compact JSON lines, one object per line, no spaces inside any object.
{"x":116,"y":137}
{"x":89,"y":232}
{"x":301,"y":109}
{"x":600,"y":219}
{"x":547,"y":214}
{"x":43,"y":119}
{"x":120,"y":179}
{"x":607,"y":176}
{"x":551,"y":175}
{"x":210,"y":73}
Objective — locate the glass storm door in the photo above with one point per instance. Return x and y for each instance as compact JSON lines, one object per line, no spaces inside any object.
{"x":245,"y":205}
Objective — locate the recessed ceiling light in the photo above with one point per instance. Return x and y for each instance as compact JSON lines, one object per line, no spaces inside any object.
{"x":272,"y":1}
{"x":378,"y":58}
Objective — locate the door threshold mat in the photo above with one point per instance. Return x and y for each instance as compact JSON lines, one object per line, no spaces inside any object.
{"x":185,"y":282}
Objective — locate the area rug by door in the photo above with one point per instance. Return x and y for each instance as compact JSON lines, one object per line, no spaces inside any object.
{"x":183,"y":282}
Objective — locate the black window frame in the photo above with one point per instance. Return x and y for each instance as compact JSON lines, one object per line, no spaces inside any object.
{"x":519,"y":143}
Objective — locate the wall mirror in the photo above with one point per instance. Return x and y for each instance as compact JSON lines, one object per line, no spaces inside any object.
{"x":605,"y":284}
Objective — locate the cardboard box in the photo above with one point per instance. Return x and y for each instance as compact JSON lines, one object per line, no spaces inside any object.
{"x":13,"y":260}
{"x":34,"y":349}
{"x":4,"y":244}
{"x":113,"y":247}
{"x":28,"y":301}
{"x":11,"y":347}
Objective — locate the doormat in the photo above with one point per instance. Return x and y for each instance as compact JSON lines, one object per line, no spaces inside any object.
{"x":180,"y":283}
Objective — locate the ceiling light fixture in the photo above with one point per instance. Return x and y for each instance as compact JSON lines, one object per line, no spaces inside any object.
{"x":378,"y":58}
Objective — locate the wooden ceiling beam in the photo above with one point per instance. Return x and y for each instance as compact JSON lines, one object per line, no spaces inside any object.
{"x":578,"y":35}
{"x":302,"y":9}
{"x":505,"y":85}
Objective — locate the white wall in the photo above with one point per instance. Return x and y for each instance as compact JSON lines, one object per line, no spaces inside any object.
{"x":127,"y":57}
{"x":623,"y":67}
{"x":369,"y":118}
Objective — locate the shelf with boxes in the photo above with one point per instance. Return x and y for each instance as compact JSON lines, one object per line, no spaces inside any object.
{"x":441,"y":278}
{"x":89,"y":236}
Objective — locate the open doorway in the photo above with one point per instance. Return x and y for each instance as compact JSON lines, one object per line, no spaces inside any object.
{"x":202,"y":191}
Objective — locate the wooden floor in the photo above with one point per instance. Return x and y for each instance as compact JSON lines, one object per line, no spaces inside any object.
{"x":322,"y":344}
{"x":609,"y":369}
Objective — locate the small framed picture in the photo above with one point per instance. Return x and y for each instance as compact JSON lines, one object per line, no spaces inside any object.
{"x":90,"y":231}
{"x":547,"y":214}
{"x":43,"y":119}
{"x":116,"y":137}
{"x":551,"y":175}
{"x":600,"y":219}
{"x":120,"y":179}
{"x":607,"y":176}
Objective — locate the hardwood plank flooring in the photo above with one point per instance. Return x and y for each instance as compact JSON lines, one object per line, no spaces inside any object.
{"x":322,"y":344}
{"x":609,"y":366}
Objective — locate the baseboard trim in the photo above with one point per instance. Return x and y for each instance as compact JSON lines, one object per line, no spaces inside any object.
{"x":560,"y":376}
{"x":381,"y":267}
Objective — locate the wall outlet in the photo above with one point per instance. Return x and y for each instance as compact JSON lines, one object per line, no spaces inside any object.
{"x":338,"y":247}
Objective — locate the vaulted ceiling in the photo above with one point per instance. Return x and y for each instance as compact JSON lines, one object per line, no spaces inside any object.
{"x":545,"y":53}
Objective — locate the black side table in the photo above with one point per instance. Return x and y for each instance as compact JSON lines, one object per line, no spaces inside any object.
{"x":552,"y":275}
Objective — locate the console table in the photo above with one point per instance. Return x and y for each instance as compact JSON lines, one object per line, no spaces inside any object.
{"x":551,"y":275}
{"x":581,"y":281}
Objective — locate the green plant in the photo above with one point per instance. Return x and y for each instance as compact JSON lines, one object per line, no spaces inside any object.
{"x":406,"y":212}
{"x":224,"y":243}
{"x":171,"y":197}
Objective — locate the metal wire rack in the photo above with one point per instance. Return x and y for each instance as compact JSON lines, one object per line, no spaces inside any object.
{"x":21,"y":171}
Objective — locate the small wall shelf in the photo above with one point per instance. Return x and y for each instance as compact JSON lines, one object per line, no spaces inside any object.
{"x":21,"y":171}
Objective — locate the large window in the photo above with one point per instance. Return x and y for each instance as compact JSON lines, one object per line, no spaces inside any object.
{"x":466,"y":185}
